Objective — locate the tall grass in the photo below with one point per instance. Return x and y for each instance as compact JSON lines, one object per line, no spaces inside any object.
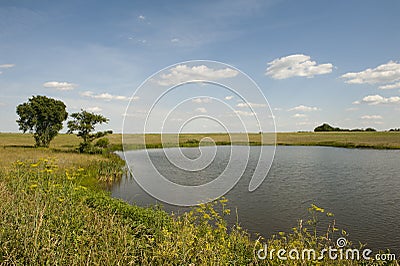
{"x":48,"y":217}
{"x":54,"y":210}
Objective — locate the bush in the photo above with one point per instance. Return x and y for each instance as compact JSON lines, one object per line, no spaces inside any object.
{"x":102,"y":143}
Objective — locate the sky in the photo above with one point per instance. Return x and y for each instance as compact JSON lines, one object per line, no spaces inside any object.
{"x":314,"y":61}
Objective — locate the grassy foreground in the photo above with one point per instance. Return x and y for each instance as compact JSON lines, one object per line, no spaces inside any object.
{"x":53,"y":210}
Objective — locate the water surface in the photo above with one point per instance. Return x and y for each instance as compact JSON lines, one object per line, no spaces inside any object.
{"x":360,"y":186}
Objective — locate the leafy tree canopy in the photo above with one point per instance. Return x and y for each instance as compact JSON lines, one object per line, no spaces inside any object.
{"x":43,"y":116}
{"x":326,"y":127}
{"x":84,"y":124}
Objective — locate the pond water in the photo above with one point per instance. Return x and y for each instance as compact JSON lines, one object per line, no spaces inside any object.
{"x":360,"y":186}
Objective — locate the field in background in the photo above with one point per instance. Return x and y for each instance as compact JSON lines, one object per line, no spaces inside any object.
{"x":376,"y":140}
{"x":65,"y":142}
{"x":18,"y":146}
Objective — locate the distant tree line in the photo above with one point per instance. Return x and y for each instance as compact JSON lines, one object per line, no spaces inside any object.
{"x":326,"y":128}
{"x":44,"y":117}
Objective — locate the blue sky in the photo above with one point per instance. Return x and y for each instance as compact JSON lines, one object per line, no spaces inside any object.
{"x":315,"y":61}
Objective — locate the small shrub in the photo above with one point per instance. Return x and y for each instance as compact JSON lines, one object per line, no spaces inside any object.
{"x":102,"y":143}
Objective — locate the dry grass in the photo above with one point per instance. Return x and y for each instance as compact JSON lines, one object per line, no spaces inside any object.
{"x":379,"y":140}
{"x":20,"y":147}
{"x":16,"y":146}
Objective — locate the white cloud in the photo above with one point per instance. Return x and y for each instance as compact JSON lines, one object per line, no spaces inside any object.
{"x":7,"y":65}
{"x":252,"y":105}
{"x":244,"y":113}
{"x":303,"y":108}
{"x":305,"y":123}
{"x":202,"y":100}
{"x":177,"y":119}
{"x":107,"y":96}
{"x":277,"y":109}
{"x":297,"y":65}
{"x":61,"y":86}
{"x":378,"y":99}
{"x":299,"y":115}
{"x":141,"y":17}
{"x":138,"y":113}
{"x":201,"y":110}
{"x":371,"y":117}
{"x":183,"y":73}
{"x":385,"y":73}
{"x":86,"y":93}
{"x":94,"y":109}
{"x":175,"y":40}
{"x":230,"y":97}
{"x":390,"y":86}
{"x":356,"y":102}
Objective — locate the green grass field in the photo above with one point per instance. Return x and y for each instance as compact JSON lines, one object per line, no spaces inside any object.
{"x":380,"y":140}
{"x":18,"y":146}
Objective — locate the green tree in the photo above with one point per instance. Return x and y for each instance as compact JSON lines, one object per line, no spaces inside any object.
{"x":84,"y":124}
{"x":327,"y":127}
{"x":43,"y":116}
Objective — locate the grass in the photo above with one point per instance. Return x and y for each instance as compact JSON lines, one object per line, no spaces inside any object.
{"x":54,"y":211}
{"x":48,"y":217}
{"x":64,"y":142}
{"x":373,"y":140}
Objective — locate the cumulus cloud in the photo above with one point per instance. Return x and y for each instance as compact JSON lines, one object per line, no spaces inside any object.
{"x":61,"y":86}
{"x":299,"y":115}
{"x":183,"y":73}
{"x":384,"y":74}
{"x":7,"y":65}
{"x":305,"y":123}
{"x":303,"y":108}
{"x":378,"y":99}
{"x":94,"y":109}
{"x":371,"y":117}
{"x":201,"y":110}
{"x":107,"y":96}
{"x":230,"y":97}
{"x":175,"y":40}
{"x":297,"y":65}
{"x":141,"y":17}
{"x":244,"y":113}
{"x":390,"y":86}
{"x":252,"y":105}
{"x":202,"y":100}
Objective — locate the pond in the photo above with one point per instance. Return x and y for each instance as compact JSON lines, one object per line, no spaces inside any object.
{"x":360,"y":186}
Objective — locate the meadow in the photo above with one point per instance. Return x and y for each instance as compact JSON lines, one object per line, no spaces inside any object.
{"x":55,"y":209}
{"x":375,"y":140}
